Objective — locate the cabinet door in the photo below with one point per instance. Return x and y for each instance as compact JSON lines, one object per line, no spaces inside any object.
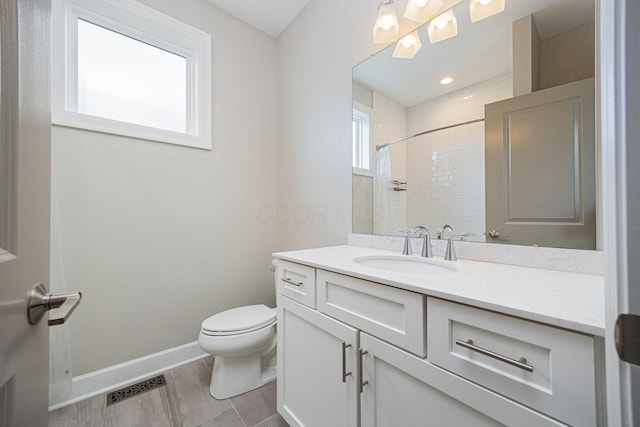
{"x":404,"y":390}
{"x":316,"y":368}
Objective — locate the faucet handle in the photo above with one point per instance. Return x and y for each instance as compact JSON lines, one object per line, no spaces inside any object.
{"x":450,"y":253}
{"x":406,"y":249}
{"x":427,"y":250}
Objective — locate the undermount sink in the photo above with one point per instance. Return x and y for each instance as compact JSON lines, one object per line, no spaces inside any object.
{"x":405,"y":264}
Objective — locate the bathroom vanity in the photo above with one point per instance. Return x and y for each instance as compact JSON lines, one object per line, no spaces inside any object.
{"x":368,"y":337}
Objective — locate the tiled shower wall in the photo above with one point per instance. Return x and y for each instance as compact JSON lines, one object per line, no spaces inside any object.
{"x":445,"y":169}
{"x":446,"y":180}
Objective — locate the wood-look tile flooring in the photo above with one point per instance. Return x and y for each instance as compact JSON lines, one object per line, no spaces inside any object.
{"x":183,"y":401}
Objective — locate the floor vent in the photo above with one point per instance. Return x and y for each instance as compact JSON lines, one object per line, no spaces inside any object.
{"x":135,"y":389}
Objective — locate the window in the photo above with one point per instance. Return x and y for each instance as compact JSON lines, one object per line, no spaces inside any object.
{"x":361,"y":127}
{"x":123,"y":68}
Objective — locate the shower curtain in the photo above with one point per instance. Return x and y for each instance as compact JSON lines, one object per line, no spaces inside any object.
{"x":382,"y":221}
{"x":59,"y":344}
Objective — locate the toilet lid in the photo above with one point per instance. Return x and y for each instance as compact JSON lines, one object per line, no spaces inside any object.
{"x":240,"y":319}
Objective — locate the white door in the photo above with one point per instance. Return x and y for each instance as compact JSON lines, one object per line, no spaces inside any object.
{"x":24,"y":208}
{"x":316,"y":368}
{"x":620,"y":136}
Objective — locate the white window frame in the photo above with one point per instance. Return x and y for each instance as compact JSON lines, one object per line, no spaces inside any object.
{"x":147,"y":25}
{"x":363,"y":110}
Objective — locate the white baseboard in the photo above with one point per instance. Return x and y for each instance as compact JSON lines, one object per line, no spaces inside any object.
{"x":114,"y":377}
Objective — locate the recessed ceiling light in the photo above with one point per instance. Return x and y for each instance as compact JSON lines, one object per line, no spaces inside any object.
{"x":446,"y":80}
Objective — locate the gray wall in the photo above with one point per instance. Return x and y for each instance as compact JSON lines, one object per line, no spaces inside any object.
{"x":159,"y":237}
{"x":568,"y":57}
{"x":315,"y":56}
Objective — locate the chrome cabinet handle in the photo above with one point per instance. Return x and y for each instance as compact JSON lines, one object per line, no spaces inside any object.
{"x":361,"y":383}
{"x":40,"y":300}
{"x":522,"y":363}
{"x":345,"y":374}
{"x":291,"y":282}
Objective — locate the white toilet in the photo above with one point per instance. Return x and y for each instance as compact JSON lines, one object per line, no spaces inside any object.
{"x":243,"y":343}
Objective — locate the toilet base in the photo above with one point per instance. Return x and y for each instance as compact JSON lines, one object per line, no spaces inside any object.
{"x":235,"y":375}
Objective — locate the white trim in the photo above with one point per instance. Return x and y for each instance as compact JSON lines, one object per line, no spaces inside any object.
{"x":362,"y":172}
{"x":116,"y":376}
{"x":149,"y":26}
{"x":364,"y":110}
{"x":611,"y":91}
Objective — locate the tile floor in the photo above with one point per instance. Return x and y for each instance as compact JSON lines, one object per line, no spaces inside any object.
{"x":183,"y":401}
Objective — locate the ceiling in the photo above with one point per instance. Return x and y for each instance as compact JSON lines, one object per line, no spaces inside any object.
{"x":270,"y":16}
{"x":480,"y":51}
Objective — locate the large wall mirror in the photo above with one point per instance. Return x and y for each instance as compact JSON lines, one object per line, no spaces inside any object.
{"x":505,"y":152}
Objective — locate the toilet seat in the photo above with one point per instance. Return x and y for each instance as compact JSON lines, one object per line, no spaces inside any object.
{"x":239,"y":320}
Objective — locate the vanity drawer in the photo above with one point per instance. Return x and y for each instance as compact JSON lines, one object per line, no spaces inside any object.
{"x":297,"y":282}
{"x":394,"y":315}
{"x":556,"y":368}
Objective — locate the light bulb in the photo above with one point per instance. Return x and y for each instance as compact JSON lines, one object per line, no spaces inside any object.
{"x":422,"y":10}
{"x":443,"y":20}
{"x":408,"y":46}
{"x":443,"y":27}
{"x":481,"y":9}
{"x":409,"y":40}
{"x":386,"y":28}
{"x":446,"y":81}
{"x":386,"y":22}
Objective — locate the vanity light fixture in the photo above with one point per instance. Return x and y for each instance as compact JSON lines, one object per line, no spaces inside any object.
{"x":480,"y":9}
{"x":446,"y":81}
{"x":421,"y":10}
{"x":408,"y":46}
{"x":386,"y":28}
{"x":443,"y":27}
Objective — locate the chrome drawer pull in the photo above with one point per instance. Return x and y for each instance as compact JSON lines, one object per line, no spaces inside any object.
{"x":361,"y":383}
{"x":345,"y":374}
{"x":291,"y":282}
{"x":522,"y":363}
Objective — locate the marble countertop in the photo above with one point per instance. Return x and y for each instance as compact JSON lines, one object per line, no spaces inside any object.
{"x":573,"y":301}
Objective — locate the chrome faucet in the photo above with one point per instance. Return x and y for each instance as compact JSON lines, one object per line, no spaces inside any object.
{"x":426,"y":245}
{"x":450,"y":253}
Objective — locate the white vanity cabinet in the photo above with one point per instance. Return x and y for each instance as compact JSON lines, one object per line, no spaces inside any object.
{"x":316,"y":368}
{"x":404,"y":390}
{"x":549,"y":369}
{"x":373,"y":355}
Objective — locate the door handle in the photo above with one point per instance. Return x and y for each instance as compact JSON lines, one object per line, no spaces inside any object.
{"x":40,"y":300}
{"x":495,"y":234}
{"x":361,"y":381}
{"x":627,"y":338}
{"x":345,"y":374}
